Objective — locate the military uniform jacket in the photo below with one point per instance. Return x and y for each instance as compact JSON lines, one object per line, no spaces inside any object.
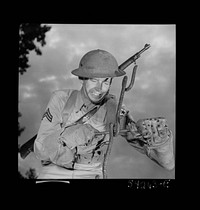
{"x":56,"y":117}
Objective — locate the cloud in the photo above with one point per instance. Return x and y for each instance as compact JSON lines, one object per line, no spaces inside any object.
{"x":53,"y":38}
{"x":162,"y":82}
{"x":53,"y":81}
{"x":27,"y":95}
{"x":73,"y":43}
{"x":151,"y":82}
{"x":48,"y":78}
{"x":27,"y":91}
{"x":76,"y":48}
{"x":27,"y":87}
{"x":163,"y":42}
{"x":160,"y":44}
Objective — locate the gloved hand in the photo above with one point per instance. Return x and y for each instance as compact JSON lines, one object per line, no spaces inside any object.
{"x":64,"y":156}
{"x":152,"y":131}
{"x":77,"y":135}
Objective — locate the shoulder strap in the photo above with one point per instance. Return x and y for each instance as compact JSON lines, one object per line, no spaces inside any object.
{"x":69,"y":106}
{"x":71,"y":100}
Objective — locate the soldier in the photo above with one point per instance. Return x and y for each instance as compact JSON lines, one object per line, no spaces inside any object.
{"x":67,"y":142}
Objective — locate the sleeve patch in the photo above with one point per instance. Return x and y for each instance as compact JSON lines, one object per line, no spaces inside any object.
{"x":48,"y":115}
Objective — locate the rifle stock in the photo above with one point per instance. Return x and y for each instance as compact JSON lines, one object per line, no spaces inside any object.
{"x":27,"y":147}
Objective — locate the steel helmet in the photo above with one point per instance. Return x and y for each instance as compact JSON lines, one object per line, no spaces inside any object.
{"x":98,"y":64}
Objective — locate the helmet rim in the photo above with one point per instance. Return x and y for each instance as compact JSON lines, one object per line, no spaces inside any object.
{"x":81,"y":72}
{"x":98,"y":64}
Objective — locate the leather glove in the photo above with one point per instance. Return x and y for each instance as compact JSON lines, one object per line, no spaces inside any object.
{"x":154,"y":131}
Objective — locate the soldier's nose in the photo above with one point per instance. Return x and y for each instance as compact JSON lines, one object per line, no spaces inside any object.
{"x":98,"y":87}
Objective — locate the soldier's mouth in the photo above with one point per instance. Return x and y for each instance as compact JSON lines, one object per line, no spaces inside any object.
{"x":96,"y":94}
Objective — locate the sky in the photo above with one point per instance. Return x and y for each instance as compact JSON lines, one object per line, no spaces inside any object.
{"x":153,"y":93}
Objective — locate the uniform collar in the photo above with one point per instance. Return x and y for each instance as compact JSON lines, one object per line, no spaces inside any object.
{"x":82,"y":101}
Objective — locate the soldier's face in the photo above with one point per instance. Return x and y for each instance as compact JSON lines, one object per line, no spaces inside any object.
{"x":97,"y":88}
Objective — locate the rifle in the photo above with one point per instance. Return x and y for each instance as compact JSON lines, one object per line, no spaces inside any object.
{"x":114,"y":130}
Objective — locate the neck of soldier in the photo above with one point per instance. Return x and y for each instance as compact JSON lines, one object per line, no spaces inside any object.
{"x":86,"y":99}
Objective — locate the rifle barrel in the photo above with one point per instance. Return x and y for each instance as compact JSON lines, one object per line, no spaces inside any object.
{"x":133,"y":58}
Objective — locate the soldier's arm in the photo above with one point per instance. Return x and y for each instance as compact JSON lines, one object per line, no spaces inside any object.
{"x":46,"y":144}
{"x":162,"y":155}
